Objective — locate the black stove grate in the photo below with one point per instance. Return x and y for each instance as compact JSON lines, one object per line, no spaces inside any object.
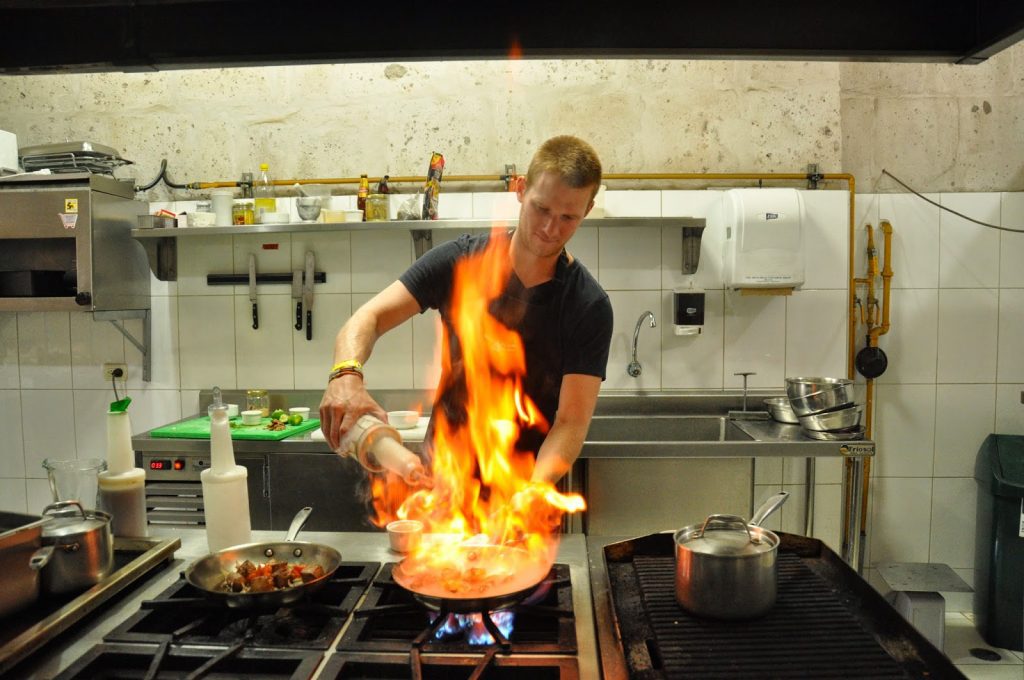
{"x":353,"y":666}
{"x":184,"y":615}
{"x":826,"y":623}
{"x":390,"y":619}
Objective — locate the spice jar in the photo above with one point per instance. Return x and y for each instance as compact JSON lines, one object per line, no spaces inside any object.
{"x":377,"y":208}
{"x":257,"y":400}
{"x":238,"y":213}
{"x":250,"y":212}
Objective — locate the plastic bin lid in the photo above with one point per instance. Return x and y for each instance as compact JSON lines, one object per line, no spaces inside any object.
{"x":1005,"y":463}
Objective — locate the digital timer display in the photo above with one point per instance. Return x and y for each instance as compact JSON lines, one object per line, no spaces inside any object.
{"x":159,"y":465}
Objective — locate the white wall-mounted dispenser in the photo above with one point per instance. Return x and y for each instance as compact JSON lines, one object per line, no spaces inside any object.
{"x":687,"y":311}
{"x":763,"y":235}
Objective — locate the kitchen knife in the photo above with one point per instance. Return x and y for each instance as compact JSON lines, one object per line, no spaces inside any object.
{"x":252,"y":291}
{"x":307,"y":293}
{"x":297,"y":296}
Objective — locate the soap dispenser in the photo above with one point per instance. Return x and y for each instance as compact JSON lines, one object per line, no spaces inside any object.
{"x":122,"y":486}
{"x":225,"y":486}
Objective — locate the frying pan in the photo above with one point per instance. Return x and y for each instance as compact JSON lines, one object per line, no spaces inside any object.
{"x":207,"y":573}
{"x":534,"y":570}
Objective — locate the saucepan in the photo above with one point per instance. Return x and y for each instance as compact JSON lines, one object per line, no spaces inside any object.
{"x":726,"y":567}
{"x":208,"y":574}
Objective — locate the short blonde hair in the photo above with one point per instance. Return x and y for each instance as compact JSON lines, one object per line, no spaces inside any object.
{"x":573,"y":160}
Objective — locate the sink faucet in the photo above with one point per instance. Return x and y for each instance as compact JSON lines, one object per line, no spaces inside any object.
{"x":634,"y":369}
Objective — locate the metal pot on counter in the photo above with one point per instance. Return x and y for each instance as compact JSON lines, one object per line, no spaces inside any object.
{"x":78,"y":548}
{"x":20,"y":537}
{"x":726,"y":567}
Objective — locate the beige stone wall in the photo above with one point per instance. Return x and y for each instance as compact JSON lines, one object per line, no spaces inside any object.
{"x":944,"y":128}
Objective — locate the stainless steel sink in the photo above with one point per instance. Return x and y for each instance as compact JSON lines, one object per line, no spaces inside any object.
{"x":662,"y":429}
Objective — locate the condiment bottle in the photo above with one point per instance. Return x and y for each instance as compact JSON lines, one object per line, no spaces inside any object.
{"x":378,"y":447}
{"x":364,"y":191}
{"x":263,"y":191}
{"x":122,"y":486}
{"x":382,"y":185}
{"x":225,"y":487}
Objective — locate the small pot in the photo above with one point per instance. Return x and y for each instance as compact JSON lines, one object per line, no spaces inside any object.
{"x":727,"y":568}
{"x":78,"y":548}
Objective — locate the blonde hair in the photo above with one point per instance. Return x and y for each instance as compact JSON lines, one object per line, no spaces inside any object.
{"x":573,"y":160}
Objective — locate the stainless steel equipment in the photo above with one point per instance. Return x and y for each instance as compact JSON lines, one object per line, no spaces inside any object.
{"x":71,"y":157}
{"x":20,"y":536}
{"x":66,"y":245}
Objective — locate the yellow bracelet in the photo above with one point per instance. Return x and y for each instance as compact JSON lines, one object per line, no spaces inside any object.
{"x":344,"y":371}
{"x":348,"y":363}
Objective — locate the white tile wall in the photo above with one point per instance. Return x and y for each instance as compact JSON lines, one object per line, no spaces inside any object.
{"x":1011,"y":245}
{"x":755,"y":331}
{"x":911,"y":344}
{"x":630,"y":258}
{"x":967,"y":335}
{"x":9,"y":375}
{"x":905,"y":430}
{"x":965,"y":415}
{"x":198,"y":257}
{"x":44,"y":350}
{"x":826,"y":240}
{"x":391,"y":365}
{"x":709,"y":264}
{"x":816,"y":333}
{"x":263,"y":355}
{"x":1011,"y":336}
{"x":12,"y":495}
{"x":627,"y":306}
{"x":901,"y":532}
{"x":48,"y":428}
{"x":12,"y":458}
{"x":632,"y":204}
{"x":207,"y":347}
{"x":693,"y":361}
{"x":314,"y":358}
{"x":915,"y":239}
{"x":968,"y":252}
{"x":954,"y":506}
{"x":92,"y":344}
{"x":1010,"y":409}
{"x":378,"y":258}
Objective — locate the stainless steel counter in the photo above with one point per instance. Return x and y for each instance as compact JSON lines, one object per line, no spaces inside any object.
{"x":354,"y":546}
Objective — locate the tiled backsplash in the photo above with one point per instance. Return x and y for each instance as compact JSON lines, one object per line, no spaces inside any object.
{"x":955,"y":367}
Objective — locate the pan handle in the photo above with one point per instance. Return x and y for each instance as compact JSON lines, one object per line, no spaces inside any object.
{"x":770,"y":505}
{"x":297,"y":523}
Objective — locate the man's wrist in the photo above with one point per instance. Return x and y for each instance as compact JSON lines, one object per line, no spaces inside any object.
{"x":347,"y":367}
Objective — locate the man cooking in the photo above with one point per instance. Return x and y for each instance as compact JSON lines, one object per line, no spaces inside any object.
{"x":562,"y":314}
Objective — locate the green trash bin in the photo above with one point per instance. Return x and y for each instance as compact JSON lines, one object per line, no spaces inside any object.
{"x":999,"y":541}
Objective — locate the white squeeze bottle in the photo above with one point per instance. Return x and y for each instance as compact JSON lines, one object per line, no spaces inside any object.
{"x":122,"y":486}
{"x":225,"y":487}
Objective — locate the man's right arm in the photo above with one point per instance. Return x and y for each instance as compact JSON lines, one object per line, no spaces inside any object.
{"x":346,"y":398}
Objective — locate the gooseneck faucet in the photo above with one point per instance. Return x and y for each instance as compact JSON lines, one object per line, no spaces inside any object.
{"x":634,"y":369}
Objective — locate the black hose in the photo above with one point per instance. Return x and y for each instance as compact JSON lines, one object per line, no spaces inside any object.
{"x":173,"y":185}
{"x":159,"y":176}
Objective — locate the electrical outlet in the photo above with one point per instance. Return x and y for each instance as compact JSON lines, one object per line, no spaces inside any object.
{"x":110,"y":371}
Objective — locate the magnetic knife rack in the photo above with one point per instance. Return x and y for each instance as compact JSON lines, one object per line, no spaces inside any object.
{"x":243,"y":279}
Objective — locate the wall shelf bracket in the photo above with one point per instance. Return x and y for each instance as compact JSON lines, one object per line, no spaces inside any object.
{"x":145,"y":347}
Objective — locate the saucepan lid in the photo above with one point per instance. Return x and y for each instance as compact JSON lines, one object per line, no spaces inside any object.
{"x":69,"y":518}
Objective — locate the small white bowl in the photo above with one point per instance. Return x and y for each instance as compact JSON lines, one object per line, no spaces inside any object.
{"x":403,"y":420}
{"x":232,"y":410}
{"x":404,"y":534}
{"x":202,"y":219}
{"x":274,"y":218}
{"x":300,"y":410}
{"x":353,"y":215}
{"x":251,"y":417}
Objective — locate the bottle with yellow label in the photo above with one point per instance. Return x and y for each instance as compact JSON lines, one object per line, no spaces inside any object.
{"x":263,"y":192}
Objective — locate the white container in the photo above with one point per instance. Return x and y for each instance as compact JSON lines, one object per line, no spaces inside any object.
{"x":762,"y":231}
{"x":300,"y":411}
{"x":225,"y":488}
{"x":122,"y":486}
{"x":222,"y":200}
{"x":8,"y":152}
{"x":251,"y":417}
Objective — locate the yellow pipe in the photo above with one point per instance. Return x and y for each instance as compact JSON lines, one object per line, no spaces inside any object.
{"x":887,"y":273}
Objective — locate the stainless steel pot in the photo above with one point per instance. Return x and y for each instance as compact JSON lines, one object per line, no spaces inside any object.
{"x":78,"y":548}
{"x":20,"y":536}
{"x":726,"y":567}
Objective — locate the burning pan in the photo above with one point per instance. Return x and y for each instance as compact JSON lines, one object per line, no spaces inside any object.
{"x":207,"y":573}
{"x":727,"y":568}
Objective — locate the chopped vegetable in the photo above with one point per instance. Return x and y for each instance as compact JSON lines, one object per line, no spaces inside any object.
{"x":269,"y":576}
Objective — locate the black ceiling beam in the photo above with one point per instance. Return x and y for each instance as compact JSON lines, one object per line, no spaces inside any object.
{"x":111,"y":35}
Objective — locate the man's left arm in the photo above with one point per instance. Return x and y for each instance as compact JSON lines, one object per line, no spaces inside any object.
{"x":562,"y":446}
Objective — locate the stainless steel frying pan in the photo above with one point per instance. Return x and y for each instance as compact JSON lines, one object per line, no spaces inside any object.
{"x":207,"y":573}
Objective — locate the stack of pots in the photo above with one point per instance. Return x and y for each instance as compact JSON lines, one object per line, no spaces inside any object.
{"x":825,"y":407}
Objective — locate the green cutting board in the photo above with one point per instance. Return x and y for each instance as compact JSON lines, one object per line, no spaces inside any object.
{"x":199,"y":428}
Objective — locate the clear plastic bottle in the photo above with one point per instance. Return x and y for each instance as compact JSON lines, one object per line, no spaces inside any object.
{"x":378,"y":447}
{"x":263,"y":192}
{"x":225,"y":488}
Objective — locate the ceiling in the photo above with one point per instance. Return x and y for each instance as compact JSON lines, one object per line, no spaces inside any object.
{"x":42,"y":36}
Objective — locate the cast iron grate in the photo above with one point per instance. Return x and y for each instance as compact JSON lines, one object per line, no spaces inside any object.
{"x":444,"y":667}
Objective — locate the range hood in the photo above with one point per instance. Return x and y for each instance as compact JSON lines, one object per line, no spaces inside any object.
{"x":141,"y":35}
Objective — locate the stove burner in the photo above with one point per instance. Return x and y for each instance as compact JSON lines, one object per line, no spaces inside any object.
{"x":474,"y":626}
{"x":446,"y":667}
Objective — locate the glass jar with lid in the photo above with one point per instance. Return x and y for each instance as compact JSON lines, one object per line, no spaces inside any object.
{"x":257,"y":400}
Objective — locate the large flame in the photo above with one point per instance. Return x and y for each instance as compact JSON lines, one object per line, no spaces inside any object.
{"x":491,"y":528}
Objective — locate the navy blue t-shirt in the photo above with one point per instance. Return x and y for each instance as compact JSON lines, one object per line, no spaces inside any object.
{"x":565,"y":325}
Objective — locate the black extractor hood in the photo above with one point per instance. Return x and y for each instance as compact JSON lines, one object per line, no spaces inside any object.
{"x":40,"y":36}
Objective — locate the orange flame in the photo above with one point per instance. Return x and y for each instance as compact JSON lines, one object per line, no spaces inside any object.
{"x":490,"y":526}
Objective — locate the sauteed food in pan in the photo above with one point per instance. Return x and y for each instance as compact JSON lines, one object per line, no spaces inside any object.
{"x":273,"y":575}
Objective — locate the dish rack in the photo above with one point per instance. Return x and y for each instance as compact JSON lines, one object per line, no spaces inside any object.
{"x":72,"y":157}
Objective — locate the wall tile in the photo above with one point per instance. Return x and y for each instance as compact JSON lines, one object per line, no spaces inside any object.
{"x":273,"y":256}
{"x":93,"y":343}
{"x":163,"y":347}
{"x":314,"y":358}
{"x":792,"y":514}
{"x":755,"y":339}
{"x":816,"y":333}
{"x":692,"y":361}
{"x":12,"y":450}
{"x":866,"y":207}
{"x":91,"y":422}
{"x":44,"y":350}
{"x":828,"y":471}
{"x":585,"y":247}
{"x":449,"y":206}
{"x":954,"y":504}
{"x":390,"y":365}
{"x":964,"y":416}
{"x":44,"y":436}
{"x":426,"y":350}
{"x":1011,"y":245}
{"x":498,"y":205}
{"x":905,"y":430}
{"x":9,"y":374}
{"x":911,"y":344}
{"x":37,"y":495}
{"x":901,"y":521}
{"x":632,"y":203}
{"x":12,"y":495}
{"x":207,"y":341}
{"x":200,"y":256}
{"x":627,"y":307}
{"x":190,"y":402}
{"x":1011,"y":336}
{"x":967,"y":335}
{"x":826,"y":239}
{"x":828,"y":514}
{"x":378,"y":259}
{"x":264,"y":356}
{"x":630,"y":258}
{"x":154,"y":408}
{"x":1009,"y":409}
{"x":968,"y":252}
{"x":915,"y":239}
{"x":761,"y":493}
{"x":709,"y":264}
{"x":333,"y":253}
{"x":768,"y":471}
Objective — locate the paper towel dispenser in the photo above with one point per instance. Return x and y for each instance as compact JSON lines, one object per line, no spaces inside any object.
{"x":763,"y":236}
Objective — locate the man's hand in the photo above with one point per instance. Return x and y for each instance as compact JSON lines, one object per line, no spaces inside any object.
{"x":344,"y":401}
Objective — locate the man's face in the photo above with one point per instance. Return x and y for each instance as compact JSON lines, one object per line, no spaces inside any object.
{"x":550,"y":214}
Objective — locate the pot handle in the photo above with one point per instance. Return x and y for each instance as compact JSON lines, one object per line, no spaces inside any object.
{"x":298,"y":522}
{"x":61,"y":507}
{"x":734,"y":521}
{"x":770,"y":505}
{"x":40,"y":558}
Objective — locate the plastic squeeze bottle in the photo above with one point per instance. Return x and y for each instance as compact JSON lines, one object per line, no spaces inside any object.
{"x":378,"y":447}
{"x":225,"y":487}
{"x":122,"y":486}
